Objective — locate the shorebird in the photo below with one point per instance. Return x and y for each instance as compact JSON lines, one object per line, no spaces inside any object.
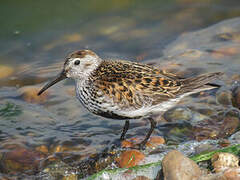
{"x":120,"y":89}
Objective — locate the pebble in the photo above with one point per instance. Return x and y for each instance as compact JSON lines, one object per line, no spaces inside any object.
{"x":42,"y":148}
{"x":155,"y":141}
{"x":204,"y":148}
{"x":224,"y":97}
{"x":178,"y":113}
{"x":178,"y":167}
{"x":5,"y":71}
{"x":130,"y":158}
{"x":224,"y":143}
{"x":29,"y":94}
{"x":229,"y":126}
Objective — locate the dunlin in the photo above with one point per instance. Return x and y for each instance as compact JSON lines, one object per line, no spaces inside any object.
{"x":127,"y":90}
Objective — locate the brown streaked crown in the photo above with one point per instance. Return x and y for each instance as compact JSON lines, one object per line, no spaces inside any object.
{"x":81,"y":54}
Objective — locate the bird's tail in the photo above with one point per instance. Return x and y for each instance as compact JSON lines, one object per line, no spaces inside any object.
{"x":200,"y":83}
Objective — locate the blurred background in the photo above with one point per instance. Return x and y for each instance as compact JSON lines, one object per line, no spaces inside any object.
{"x":47,"y":30}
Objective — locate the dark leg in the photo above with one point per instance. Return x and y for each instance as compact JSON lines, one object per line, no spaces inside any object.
{"x":125,"y":129}
{"x":153,"y":125}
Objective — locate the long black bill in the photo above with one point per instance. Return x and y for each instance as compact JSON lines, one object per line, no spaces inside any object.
{"x":60,"y":77}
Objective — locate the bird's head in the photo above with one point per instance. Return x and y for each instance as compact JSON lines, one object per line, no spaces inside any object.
{"x":78,"y":65}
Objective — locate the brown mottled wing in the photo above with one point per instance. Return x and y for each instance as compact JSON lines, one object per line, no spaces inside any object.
{"x":134,"y":84}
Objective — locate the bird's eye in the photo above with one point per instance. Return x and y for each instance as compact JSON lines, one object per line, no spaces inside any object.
{"x":77,"y":62}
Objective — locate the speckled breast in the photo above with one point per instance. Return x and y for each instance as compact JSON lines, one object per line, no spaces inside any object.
{"x":93,"y":99}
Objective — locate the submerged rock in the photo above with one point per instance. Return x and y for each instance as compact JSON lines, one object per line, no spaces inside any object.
{"x":19,"y":159}
{"x":5,"y":71}
{"x":224,"y":97}
{"x":178,"y":113}
{"x":178,"y":167}
{"x":29,"y":94}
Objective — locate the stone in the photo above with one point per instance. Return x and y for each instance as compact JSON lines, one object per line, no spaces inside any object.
{"x":155,"y":141}
{"x":19,"y":159}
{"x":178,"y":167}
{"x":224,"y":97}
{"x":221,"y":161}
{"x":178,"y":113}
{"x":130,"y":158}
{"x":29,"y":94}
{"x":5,"y":71}
{"x":43,"y":149}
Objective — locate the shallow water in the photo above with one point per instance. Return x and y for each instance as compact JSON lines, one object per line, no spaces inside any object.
{"x":36,"y":36}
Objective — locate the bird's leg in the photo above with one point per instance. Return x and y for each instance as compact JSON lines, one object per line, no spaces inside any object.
{"x":125,"y":129}
{"x":153,"y":125}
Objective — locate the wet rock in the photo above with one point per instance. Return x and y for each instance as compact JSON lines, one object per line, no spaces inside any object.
{"x":222,"y":161}
{"x":219,"y":126}
{"x":178,"y":113}
{"x":204,"y":148}
{"x":155,"y":141}
{"x":19,"y":159}
{"x":224,"y":142}
{"x":228,"y":126}
{"x":236,"y":97}
{"x":29,"y":94}
{"x":178,"y":167}
{"x":127,"y":144}
{"x":224,"y":97}
{"x":129,"y":158}
{"x":42,"y":148}
{"x":205,"y":110}
{"x":207,"y":129}
{"x":5,"y":71}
